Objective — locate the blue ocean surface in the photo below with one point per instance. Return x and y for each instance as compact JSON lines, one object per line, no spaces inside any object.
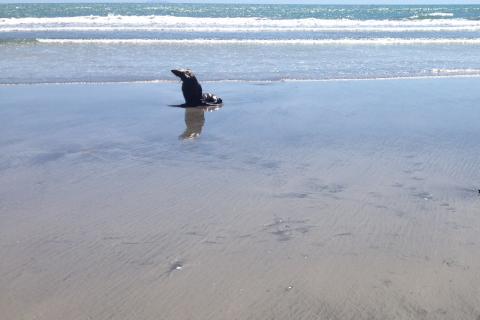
{"x":57,"y":43}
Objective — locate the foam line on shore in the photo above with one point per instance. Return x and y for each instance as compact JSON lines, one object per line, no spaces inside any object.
{"x":220,"y":29}
{"x":370,"y":41}
{"x":159,"y":81}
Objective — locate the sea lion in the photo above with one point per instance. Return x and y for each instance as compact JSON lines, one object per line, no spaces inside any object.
{"x":192,"y":90}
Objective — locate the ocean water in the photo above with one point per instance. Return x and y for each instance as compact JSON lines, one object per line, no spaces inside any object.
{"x":56,"y":43}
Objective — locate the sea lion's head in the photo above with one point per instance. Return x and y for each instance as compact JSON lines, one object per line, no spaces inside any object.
{"x":183,"y":74}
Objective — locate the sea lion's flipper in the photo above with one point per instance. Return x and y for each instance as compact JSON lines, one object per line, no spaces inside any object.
{"x":211,"y":99}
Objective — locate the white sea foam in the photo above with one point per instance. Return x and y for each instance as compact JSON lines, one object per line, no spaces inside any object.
{"x":372,"y":41}
{"x":440,"y":14}
{"x":155,"y":81}
{"x":467,"y":71}
{"x":237,"y":29}
{"x":190,"y":24}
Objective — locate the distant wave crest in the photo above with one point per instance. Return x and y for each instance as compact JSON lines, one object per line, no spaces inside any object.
{"x":189,"y":24}
{"x":372,"y":41}
{"x":440,"y":14}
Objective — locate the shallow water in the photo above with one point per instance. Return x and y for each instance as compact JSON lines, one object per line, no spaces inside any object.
{"x":338,"y":200}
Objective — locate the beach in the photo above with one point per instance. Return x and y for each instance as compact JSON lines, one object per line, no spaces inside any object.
{"x":295,"y":200}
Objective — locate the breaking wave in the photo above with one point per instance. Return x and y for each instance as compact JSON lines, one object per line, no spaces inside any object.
{"x":190,"y":24}
{"x":351,"y":42}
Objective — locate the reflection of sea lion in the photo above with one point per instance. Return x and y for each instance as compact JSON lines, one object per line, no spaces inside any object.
{"x":194,"y":120}
{"x":192,"y":90}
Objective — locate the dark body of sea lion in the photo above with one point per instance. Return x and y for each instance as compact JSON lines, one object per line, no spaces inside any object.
{"x":192,"y":90}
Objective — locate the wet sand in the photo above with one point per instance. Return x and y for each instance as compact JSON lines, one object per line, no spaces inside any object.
{"x":308,"y":200}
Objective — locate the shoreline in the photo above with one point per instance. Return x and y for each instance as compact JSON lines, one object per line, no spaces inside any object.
{"x":433,"y":77}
